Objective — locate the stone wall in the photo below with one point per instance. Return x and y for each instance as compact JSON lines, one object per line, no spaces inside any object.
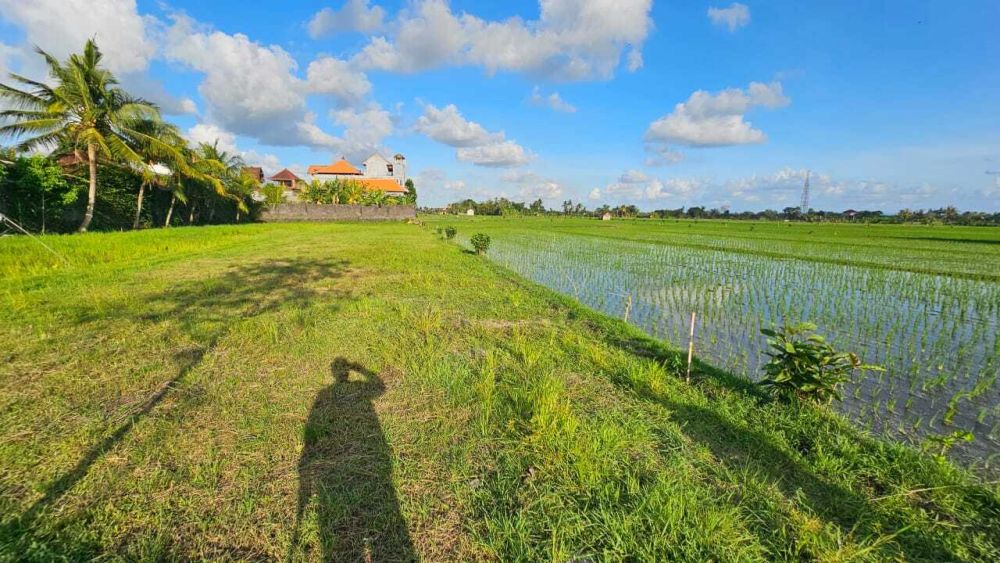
{"x":326,"y":212}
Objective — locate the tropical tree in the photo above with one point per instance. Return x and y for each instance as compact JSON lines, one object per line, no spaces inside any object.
{"x":375,"y":197}
{"x":411,"y":192}
{"x":160,"y":158}
{"x":84,"y":110}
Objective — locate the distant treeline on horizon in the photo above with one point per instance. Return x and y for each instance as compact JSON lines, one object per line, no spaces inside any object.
{"x":503,"y":206}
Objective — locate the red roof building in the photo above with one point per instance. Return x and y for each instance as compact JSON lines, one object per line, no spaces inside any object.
{"x":287,"y":178}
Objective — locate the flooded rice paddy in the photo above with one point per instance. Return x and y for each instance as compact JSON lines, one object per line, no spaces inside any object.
{"x":935,"y":335}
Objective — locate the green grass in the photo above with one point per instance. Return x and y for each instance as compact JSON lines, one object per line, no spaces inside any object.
{"x":339,"y":391}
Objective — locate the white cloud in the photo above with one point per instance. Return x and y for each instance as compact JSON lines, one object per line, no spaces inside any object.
{"x":213,"y":134}
{"x":338,"y":78}
{"x":633,"y":177}
{"x":448,"y":126}
{"x":635,"y":185}
{"x":572,"y":39}
{"x":354,"y":15}
{"x":61,"y":27}
{"x":662,"y":155}
{"x":595,"y":194}
{"x":520,"y":176}
{"x":473,"y":142}
{"x":252,"y":89}
{"x":454,"y":185}
{"x":249,"y":88}
{"x":542,"y":190}
{"x":734,"y":17}
{"x":500,"y":154}
{"x":553,"y":101}
{"x":711,"y":120}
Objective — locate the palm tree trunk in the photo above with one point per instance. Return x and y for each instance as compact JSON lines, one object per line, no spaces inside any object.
{"x":170,"y":211}
{"x":92,"y":190}
{"x":191,"y":216}
{"x":138,"y":205}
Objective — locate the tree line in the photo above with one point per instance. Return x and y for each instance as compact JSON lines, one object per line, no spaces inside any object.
{"x":945,"y":215}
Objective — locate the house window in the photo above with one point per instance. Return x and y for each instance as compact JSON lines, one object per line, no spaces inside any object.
{"x":389,"y":166}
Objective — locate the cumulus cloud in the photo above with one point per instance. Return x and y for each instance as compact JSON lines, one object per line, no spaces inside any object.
{"x":542,"y":190}
{"x":707,"y":119}
{"x":338,"y":78}
{"x":595,"y":194}
{"x":354,"y":15}
{"x":455,"y":185}
{"x":552,"y":101}
{"x":61,"y":27}
{"x":734,"y":17}
{"x":249,"y":88}
{"x":572,"y":39}
{"x":448,"y":126}
{"x":635,"y":185}
{"x":500,"y":154}
{"x":253,"y":89}
{"x":473,"y":142}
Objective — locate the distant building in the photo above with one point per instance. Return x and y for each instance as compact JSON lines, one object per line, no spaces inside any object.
{"x":255,"y":172}
{"x":470,"y":211}
{"x":288,"y":180}
{"x":606,"y":217}
{"x":378,"y":174}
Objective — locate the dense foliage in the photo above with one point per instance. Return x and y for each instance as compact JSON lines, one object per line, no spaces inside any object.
{"x":112,"y":162}
{"x":805,"y":366}
{"x":351,"y":192}
{"x":480,"y":242}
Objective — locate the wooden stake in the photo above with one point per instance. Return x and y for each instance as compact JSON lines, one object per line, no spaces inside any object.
{"x":690,"y":348}
{"x":628,"y":306}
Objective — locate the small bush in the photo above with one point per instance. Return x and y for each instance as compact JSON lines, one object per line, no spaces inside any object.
{"x":480,"y":242}
{"x":450,"y":232}
{"x":805,"y":367}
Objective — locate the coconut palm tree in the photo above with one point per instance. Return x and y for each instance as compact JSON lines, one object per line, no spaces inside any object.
{"x":159,"y":164}
{"x":83,"y":109}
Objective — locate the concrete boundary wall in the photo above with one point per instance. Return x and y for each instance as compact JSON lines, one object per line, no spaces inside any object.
{"x":287,"y":212}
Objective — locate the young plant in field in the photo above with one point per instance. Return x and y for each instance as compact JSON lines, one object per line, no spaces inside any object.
{"x":804,"y":366}
{"x":450,"y":232}
{"x":945,"y":442}
{"x":480,"y":242}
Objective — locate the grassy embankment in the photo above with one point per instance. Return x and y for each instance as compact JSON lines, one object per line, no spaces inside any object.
{"x":300,"y":391}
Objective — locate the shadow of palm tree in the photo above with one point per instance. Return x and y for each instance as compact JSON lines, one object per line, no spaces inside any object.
{"x":345,"y":473}
{"x":205,"y":309}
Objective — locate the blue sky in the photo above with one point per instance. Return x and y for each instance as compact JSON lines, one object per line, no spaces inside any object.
{"x":660,"y":104}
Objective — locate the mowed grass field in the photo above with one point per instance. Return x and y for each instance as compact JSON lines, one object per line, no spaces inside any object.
{"x":369,"y":392}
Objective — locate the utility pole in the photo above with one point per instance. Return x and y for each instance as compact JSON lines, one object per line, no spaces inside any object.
{"x":804,"y":208}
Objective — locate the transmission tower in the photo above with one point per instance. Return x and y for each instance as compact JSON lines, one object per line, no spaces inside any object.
{"x":805,"y":196}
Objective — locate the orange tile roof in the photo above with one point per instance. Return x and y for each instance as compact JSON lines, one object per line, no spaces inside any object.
{"x":339,"y":167}
{"x":387,"y":185}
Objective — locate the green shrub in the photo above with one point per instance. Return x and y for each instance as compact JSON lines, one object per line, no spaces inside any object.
{"x":274,"y":194}
{"x":804,"y":366}
{"x":450,"y":232}
{"x":480,"y":242}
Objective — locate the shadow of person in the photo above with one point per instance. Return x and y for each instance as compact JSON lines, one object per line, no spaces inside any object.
{"x":345,"y":475}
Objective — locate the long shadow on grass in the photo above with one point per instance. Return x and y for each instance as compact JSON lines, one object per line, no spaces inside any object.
{"x":204,"y":309}
{"x":750,"y":453}
{"x":345,"y":473}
